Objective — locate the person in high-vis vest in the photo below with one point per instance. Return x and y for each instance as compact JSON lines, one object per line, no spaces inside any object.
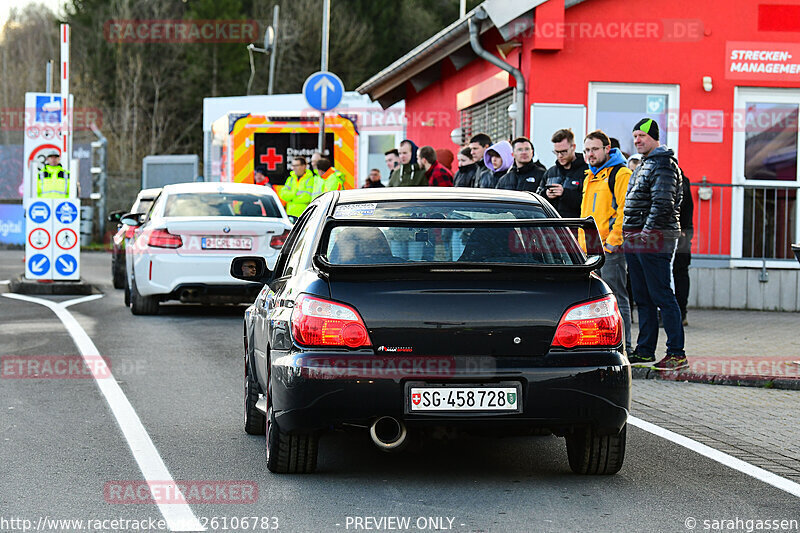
{"x":329,"y":178}
{"x":53,"y":180}
{"x":298,"y":188}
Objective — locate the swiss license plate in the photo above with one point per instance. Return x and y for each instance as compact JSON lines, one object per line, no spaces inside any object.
{"x":226,"y":243}
{"x":464,"y":398}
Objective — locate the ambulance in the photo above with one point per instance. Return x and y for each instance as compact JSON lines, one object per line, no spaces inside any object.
{"x":243,"y":132}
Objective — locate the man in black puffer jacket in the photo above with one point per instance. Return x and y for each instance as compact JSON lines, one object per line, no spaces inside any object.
{"x":525,"y":174}
{"x":651,"y":227}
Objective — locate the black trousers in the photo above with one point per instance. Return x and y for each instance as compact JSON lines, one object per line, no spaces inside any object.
{"x":680,"y":272}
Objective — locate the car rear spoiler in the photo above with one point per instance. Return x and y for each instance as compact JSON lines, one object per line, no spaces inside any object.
{"x":591,"y":261}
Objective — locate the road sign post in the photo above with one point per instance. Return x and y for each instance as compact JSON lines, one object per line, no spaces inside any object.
{"x":323,"y":91}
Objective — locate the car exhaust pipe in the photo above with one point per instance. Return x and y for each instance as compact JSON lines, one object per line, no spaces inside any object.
{"x":388,"y":433}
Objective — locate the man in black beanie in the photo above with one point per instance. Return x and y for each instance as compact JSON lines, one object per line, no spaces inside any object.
{"x":651,"y":228}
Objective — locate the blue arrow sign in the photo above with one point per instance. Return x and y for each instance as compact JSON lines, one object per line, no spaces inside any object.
{"x":39,"y":264}
{"x":39,"y":212}
{"x":66,"y":264}
{"x":66,"y":212}
{"x":323,"y":90}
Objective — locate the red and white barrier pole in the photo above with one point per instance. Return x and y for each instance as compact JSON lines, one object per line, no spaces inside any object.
{"x":66,"y":112}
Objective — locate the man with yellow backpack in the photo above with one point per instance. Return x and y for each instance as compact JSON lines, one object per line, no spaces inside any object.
{"x":299,"y":187}
{"x":329,"y":178}
{"x":604,"y":191}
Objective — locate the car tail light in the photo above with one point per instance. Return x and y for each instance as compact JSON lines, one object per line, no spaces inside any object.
{"x":277,"y":240}
{"x":318,"y":322}
{"x":161,"y":238}
{"x":596,"y":323}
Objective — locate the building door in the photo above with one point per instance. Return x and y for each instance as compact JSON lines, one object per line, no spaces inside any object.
{"x":546,"y":119}
{"x":766,"y":176}
{"x":616,"y":107}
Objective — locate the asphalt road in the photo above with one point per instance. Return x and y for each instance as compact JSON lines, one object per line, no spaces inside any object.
{"x":61,"y":446}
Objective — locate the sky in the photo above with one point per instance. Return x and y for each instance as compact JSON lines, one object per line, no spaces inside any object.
{"x":6,"y":5}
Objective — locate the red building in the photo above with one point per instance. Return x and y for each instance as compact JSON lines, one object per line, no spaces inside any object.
{"x":721,"y":78}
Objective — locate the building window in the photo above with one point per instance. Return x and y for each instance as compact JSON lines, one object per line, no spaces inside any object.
{"x":765,"y":140}
{"x":616,"y":107}
{"x":489,"y":117}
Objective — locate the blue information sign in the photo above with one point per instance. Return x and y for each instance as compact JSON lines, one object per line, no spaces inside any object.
{"x":323,"y":90}
{"x":66,"y":264}
{"x":39,"y":212}
{"x":39,"y":264}
{"x":66,"y":212}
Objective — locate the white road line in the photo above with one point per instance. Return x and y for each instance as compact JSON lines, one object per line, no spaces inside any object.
{"x":81,"y":300}
{"x":179,"y":516}
{"x":721,"y":457}
{"x":5,"y":281}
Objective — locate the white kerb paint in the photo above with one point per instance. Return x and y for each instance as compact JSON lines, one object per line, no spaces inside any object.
{"x":721,"y":457}
{"x":178,"y":516}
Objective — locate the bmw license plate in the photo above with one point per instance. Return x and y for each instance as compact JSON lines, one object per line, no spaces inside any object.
{"x":464,"y":398}
{"x":226,"y":243}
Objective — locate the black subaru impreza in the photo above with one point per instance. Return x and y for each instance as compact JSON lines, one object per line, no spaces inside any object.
{"x":401,"y":311}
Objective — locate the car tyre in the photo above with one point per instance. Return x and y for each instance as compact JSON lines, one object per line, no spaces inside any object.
{"x":593,"y":454}
{"x":117,"y":274}
{"x":142,"y":305}
{"x":289,"y":454}
{"x":127,"y":294}
{"x":254,"y":420}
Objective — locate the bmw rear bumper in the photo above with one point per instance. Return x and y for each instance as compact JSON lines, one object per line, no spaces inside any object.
{"x":319,"y":391}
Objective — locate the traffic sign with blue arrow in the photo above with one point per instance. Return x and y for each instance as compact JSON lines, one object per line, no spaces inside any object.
{"x":39,"y":264}
{"x":323,"y":90}
{"x":66,"y":264}
{"x":66,"y":212}
{"x":39,"y":212}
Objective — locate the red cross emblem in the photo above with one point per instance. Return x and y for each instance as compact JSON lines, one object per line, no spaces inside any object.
{"x":271,"y":159}
{"x":416,"y":398}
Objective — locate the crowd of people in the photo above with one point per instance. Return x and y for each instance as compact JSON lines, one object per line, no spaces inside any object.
{"x":640,"y":202}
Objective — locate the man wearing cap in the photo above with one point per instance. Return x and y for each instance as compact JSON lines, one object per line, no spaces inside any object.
{"x":651,"y":227}
{"x":53,"y":180}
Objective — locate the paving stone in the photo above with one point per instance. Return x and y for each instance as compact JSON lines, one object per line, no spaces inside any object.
{"x":759,"y":426}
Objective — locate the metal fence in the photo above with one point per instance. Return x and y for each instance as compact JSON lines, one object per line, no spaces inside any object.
{"x":768,"y":221}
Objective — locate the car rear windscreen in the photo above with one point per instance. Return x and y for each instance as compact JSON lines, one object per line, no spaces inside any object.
{"x":485,"y":241}
{"x":215,"y":204}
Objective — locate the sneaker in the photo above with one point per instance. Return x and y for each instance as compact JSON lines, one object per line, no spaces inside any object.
{"x":637,"y":359}
{"x":672,"y":362}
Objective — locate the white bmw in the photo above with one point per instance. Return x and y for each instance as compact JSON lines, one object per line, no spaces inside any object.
{"x":182,"y":249}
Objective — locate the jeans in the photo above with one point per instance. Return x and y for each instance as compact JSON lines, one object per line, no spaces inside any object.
{"x":615,"y":273}
{"x":650,"y":280}
{"x":680,"y":272}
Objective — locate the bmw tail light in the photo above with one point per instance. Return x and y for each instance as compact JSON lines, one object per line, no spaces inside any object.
{"x":595,"y":323}
{"x":161,"y":238}
{"x":318,"y":322}
{"x":277,"y":240}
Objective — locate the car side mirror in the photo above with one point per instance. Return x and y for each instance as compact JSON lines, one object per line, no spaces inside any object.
{"x":251,"y":268}
{"x":132,"y":219}
{"x":114,"y":216}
